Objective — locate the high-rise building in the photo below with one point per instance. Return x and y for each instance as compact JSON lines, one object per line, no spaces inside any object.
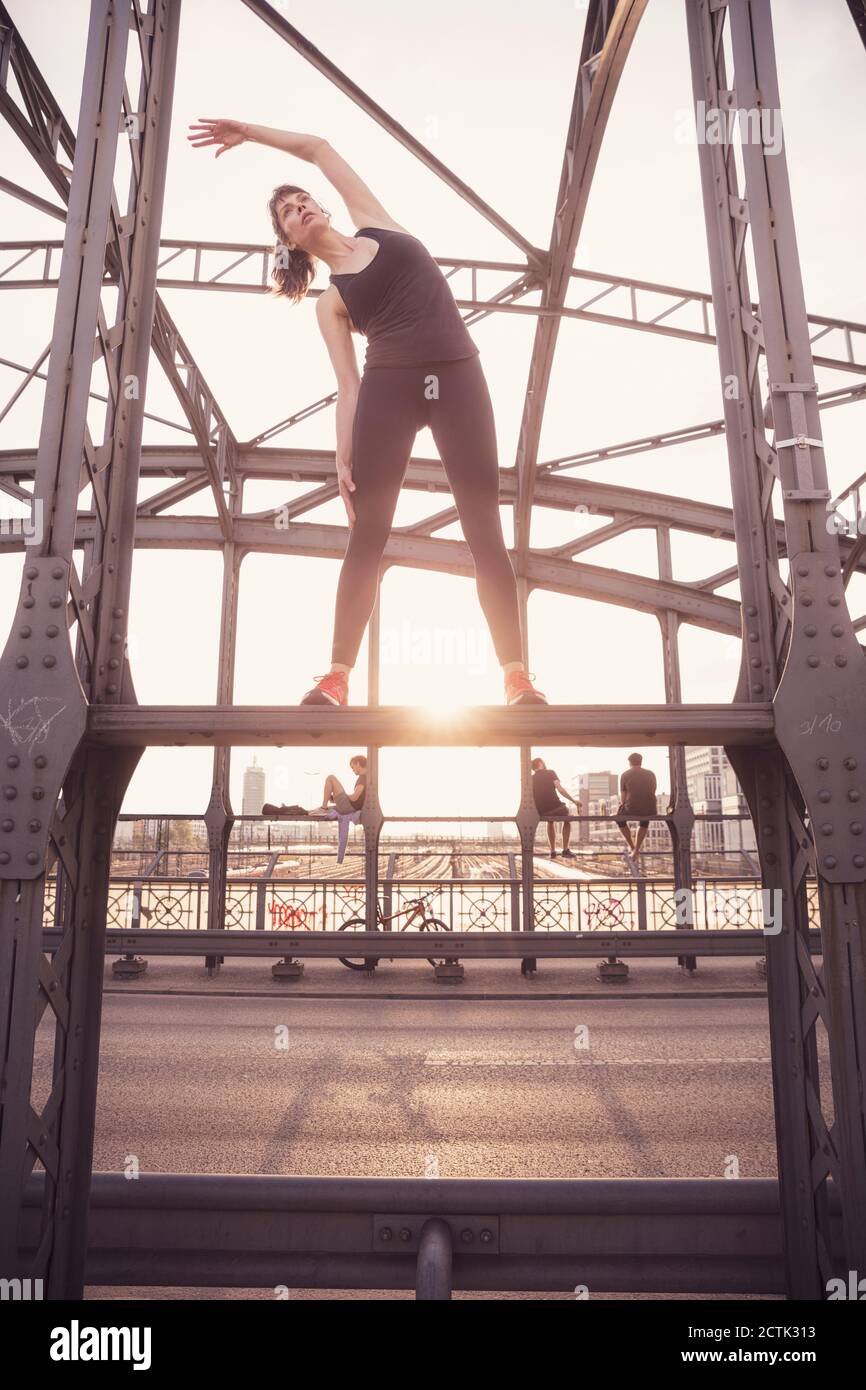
{"x":738,"y":835}
{"x":714,"y":790}
{"x":253,"y":798}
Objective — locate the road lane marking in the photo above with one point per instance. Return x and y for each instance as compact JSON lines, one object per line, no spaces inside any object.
{"x":439,"y":1060}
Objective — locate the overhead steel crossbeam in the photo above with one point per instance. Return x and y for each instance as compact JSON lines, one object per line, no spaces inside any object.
{"x":552,"y":573}
{"x":633,"y":507}
{"x":399,"y":726}
{"x":688,"y":316}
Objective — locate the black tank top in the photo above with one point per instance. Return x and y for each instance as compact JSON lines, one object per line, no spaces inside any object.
{"x":403,"y":304}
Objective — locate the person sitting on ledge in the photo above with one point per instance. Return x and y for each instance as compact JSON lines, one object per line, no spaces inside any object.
{"x":637,"y":789}
{"x":545,"y":785}
{"x":334,"y":791}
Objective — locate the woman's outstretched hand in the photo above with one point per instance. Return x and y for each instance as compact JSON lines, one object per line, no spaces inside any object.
{"x":221,"y":132}
{"x":344,"y":478}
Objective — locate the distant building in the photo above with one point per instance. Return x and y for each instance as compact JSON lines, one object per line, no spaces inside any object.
{"x":598,"y":794}
{"x":737,"y":834}
{"x":714,"y":790}
{"x":254,"y":790}
{"x":659,"y":837}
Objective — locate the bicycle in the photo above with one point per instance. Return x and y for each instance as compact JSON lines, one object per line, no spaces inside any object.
{"x":413,"y":910}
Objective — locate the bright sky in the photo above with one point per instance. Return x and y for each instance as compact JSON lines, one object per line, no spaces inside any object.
{"x":489,"y":92}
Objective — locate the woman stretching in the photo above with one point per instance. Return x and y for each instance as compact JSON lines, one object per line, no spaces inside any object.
{"x":421,"y":368}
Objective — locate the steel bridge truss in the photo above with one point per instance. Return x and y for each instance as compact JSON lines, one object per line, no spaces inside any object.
{"x":73,"y":730}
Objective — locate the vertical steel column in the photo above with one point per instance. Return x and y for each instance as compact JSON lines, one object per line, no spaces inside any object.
{"x":435,"y":1254}
{"x":371,"y":812}
{"x":219,"y":818}
{"x":682,"y":818}
{"x":805,"y":1147}
{"x":527,"y":813}
{"x":53,"y":709}
{"x":820,"y":704}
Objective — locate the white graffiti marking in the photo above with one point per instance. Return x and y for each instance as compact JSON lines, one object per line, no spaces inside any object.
{"x":28,"y":722}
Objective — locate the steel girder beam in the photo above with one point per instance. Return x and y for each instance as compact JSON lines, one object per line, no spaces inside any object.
{"x":52,"y":718}
{"x":816,"y":653}
{"x":689,"y":434}
{"x":626,"y":590}
{"x":497,"y":726}
{"x":608,"y":36}
{"x":849,"y":357}
{"x":415,"y":945}
{"x":638,"y":506}
{"x":501,"y":301}
{"x":528,"y":1233}
{"x":203,"y":413}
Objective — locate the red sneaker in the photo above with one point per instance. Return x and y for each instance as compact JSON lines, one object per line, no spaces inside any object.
{"x":332,"y":689}
{"x":519,"y":689}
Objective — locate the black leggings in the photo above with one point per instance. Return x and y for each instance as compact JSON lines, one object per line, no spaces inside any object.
{"x":392,"y":406}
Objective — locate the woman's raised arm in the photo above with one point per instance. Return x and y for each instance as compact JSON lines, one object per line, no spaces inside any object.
{"x":227,"y":134}
{"x":363,"y":205}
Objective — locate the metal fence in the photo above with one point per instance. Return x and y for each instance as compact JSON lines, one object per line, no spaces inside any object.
{"x":463,"y":905}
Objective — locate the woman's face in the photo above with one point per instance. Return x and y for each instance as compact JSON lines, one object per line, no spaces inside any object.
{"x":297,"y":216}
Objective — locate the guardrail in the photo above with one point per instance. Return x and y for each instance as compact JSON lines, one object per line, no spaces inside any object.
{"x":465,"y":905}
{"x":581,"y":1236}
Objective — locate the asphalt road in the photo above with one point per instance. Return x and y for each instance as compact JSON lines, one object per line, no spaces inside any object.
{"x":666,"y":1087}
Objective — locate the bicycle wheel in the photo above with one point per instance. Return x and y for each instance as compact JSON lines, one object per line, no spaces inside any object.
{"x":434,"y":924}
{"x":369,"y":963}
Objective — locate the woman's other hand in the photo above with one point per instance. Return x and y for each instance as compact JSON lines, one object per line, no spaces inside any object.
{"x":344,"y":478}
{"x":220,"y":132}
